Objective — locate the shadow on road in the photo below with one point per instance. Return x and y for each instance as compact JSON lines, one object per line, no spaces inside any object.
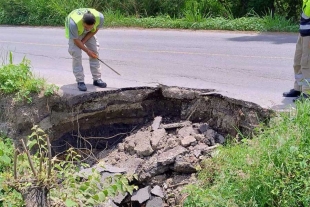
{"x":275,"y":38}
{"x":286,"y":105}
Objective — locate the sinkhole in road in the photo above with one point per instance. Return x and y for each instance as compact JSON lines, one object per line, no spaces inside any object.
{"x":103,"y":119}
{"x":161,"y":134}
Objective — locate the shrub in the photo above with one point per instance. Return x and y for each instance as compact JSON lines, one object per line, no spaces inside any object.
{"x":18,"y":79}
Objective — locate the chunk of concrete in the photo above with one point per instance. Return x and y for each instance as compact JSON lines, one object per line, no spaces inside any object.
{"x":144,"y":148}
{"x":139,"y":143}
{"x":157,"y":191}
{"x":155,"y":202}
{"x":187,"y":131}
{"x":151,"y":168}
{"x":131,"y":164}
{"x":141,"y":195}
{"x":119,"y":198}
{"x":187,"y":141}
{"x":183,"y":167}
{"x":176,"y":125}
{"x":136,"y":143}
{"x":130,"y":144}
{"x":169,"y":156}
{"x":156,"y":123}
{"x":156,"y":137}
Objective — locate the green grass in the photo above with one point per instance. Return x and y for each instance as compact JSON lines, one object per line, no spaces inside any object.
{"x":252,"y":23}
{"x":272,"y":169}
{"x":18,"y":79}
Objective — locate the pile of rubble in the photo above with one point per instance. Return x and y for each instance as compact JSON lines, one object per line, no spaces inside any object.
{"x":165,"y":157}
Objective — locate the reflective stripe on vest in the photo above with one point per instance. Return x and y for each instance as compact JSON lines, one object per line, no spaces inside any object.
{"x":304,"y":27}
{"x":77,"y":17}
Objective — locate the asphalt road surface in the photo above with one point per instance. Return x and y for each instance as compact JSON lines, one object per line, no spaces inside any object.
{"x":243,"y":65}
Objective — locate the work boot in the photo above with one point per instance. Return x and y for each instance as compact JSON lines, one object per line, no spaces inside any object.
{"x":292,"y":93}
{"x":301,"y":98}
{"x":82,"y":86}
{"x":100,"y":83}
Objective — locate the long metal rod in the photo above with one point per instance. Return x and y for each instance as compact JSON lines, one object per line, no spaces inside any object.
{"x":109,"y":67}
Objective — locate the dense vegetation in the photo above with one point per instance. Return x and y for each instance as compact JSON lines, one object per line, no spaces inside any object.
{"x":262,"y":15}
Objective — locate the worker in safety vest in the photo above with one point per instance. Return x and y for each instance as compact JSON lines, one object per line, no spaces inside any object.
{"x":301,"y":88}
{"x":81,"y":26}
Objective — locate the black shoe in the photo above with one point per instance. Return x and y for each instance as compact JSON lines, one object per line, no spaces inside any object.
{"x":292,"y":93}
{"x":301,"y":98}
{"x":82,"y":86}
{"x":100,"y":83}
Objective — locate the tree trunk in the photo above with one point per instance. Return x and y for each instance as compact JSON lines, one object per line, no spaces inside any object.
{"x":36,"y":197}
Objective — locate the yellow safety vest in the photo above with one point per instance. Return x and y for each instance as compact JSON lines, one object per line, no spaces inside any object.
{"x":77,"y":17}
{"x":306,"y":7}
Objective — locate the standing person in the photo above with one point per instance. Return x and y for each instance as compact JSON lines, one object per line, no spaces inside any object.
{"x":81,"y":26}
{"x":302,"y":57}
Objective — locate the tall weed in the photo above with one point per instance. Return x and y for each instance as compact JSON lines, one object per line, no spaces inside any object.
{"x":193,"y":12}
{"x":277,"y":23}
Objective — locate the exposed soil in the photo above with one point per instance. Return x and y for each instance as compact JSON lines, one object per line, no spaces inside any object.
{"x":161,"y":134}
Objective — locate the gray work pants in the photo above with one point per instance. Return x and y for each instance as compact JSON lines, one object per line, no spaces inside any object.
{"x":302,"y":65}
{"x":76,"y":54}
